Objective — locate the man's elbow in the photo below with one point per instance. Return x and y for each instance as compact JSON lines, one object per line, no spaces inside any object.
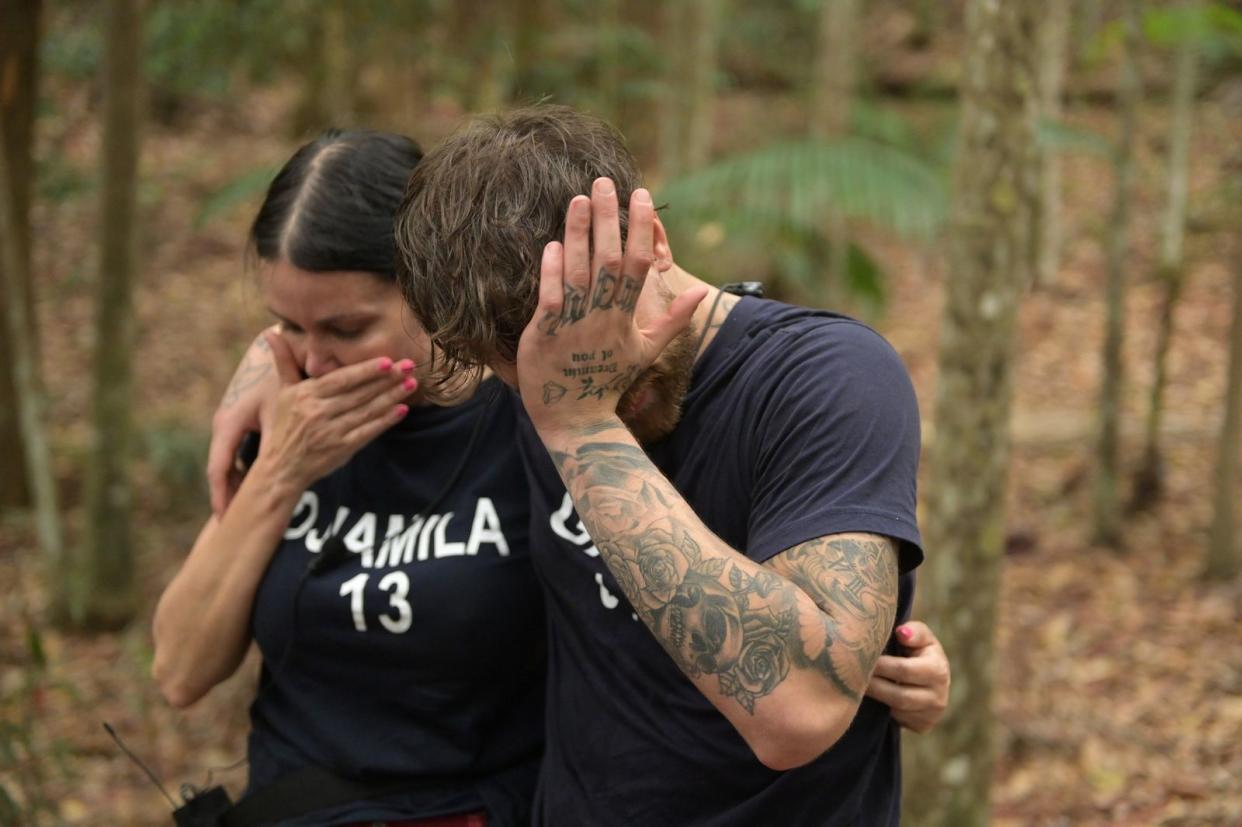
{"x":800,"y":741}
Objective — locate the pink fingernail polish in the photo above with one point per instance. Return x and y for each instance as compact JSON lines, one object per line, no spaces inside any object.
{"x":406,"y":365}
{"x":384,"y":364}
{"x":402,"y":410}
{"x":409,"y":384}
{"x":904,"y":633}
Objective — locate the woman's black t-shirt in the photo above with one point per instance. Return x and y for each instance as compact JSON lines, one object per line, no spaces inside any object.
{"x":419,"y":652}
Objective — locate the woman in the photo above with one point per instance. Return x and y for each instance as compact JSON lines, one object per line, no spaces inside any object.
{"x":386,"y":582}
{"x":376,"y":550}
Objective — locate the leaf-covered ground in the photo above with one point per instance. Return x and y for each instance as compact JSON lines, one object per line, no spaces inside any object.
{"x":1120,"y":674}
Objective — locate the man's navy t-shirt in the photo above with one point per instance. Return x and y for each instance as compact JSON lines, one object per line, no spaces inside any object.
{"x":798,"y":424}
{"x":420,"y":656}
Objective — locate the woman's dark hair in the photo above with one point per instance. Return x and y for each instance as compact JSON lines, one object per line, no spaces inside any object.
{"x":331,"y":206}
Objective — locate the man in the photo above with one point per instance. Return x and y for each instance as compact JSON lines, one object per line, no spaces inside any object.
{"x":723,"y":489}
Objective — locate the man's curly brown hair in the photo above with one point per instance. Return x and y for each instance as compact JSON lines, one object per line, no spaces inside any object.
{"x":479,"y":210}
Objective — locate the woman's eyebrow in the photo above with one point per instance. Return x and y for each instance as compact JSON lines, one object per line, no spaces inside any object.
{"x":348,"y":316}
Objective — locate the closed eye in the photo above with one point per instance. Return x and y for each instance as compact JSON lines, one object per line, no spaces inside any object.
{"x":347,"y":332}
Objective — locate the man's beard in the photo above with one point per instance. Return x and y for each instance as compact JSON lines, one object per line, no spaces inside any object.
{"x":660,"y":391}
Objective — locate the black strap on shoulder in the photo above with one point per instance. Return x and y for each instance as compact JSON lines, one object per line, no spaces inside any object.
{"x":744,"y":288}
{"x":305,"y":791}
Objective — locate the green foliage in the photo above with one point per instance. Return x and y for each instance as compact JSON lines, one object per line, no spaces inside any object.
{"x":58,"y":180}
{"x":572,"y":60}
{"x":10,"y":813}
{"x":72,"y":43}
{"x":1215,"y":27}
{"x":1061,"y":137}
{"x":242,"y":189}
{"x":27,"y":754}
{"x":884,"y":126}
{"x":766,"y":43}
{"x":778,"y":197}
{"x":176,"y":453}
{"x":191,"y":49}
{"x":794,"y":184}
{"x":34,"y":643}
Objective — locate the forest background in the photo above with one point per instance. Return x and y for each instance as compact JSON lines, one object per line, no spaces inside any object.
{"x":834,"y":149}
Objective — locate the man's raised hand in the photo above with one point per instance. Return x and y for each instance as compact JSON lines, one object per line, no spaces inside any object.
{"x":596,"y":328}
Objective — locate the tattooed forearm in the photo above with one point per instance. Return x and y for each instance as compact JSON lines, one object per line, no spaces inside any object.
{"x":827,"y":611}
{"x":253,"y":369}
{"x":853,"y":580}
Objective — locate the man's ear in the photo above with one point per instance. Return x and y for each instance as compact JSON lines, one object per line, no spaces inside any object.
{"x":663,"y":252}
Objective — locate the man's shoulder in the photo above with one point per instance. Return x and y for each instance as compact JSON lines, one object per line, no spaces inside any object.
{"x":776,"y":339}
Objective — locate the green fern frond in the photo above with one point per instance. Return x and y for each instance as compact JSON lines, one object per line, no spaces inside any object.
{"x":794,"y":185}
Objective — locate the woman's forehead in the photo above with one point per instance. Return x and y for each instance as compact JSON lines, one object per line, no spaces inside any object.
{"x":325,"y":293}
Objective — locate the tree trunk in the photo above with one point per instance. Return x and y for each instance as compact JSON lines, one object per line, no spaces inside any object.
{"x":672,"y":140}
{"x":436,"y":66}
{"x":609,"y":46}
{"x":331,"y":73}
{"x":836,"y":63}
{"x":19,"y":65}
{"x":1223,"y":559}
{"x":699,"y":105}
{"x":1107,"y":507}
{"x":339,"y":67}
{"x":1053,"y":54}
{"x":108,"y":596}
{"x":529,"y":24}
{"x":29,"y":403}
{"x":831,"y":101}
{"x":926,"y":21}
{"x":990,"y":244}
{"x":1088,"y":17}
{"x":1149,"y":480}
{"x":479,"y":32}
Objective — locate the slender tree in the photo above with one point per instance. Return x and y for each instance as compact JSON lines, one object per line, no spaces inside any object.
{"x":1054,"y":33}
{"x":338,"y":65}
{"x":1224,"y":559}
{"x":832,"y":100}
{"x":699,"y":102}
{"x":607,"y":28}
{"x":19,"y":64}
{"x":990,"y":244}
{"x":530,"y":21}
{"x":691,"y":35}
{"x":108,"y":593}
{"x":926,"y":20}
{"x":1107,"y":507}
{"x":673,"y":22}
{"x":1088,"y":15}
{"x":836,"y":68}
{"x":331,"y":70}
{"x":29,"y":401}
{"x":479,"y":31}
{"x":1149,"y":480}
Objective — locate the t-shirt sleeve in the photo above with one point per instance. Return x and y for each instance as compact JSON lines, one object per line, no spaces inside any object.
{"x":837,"y":442}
